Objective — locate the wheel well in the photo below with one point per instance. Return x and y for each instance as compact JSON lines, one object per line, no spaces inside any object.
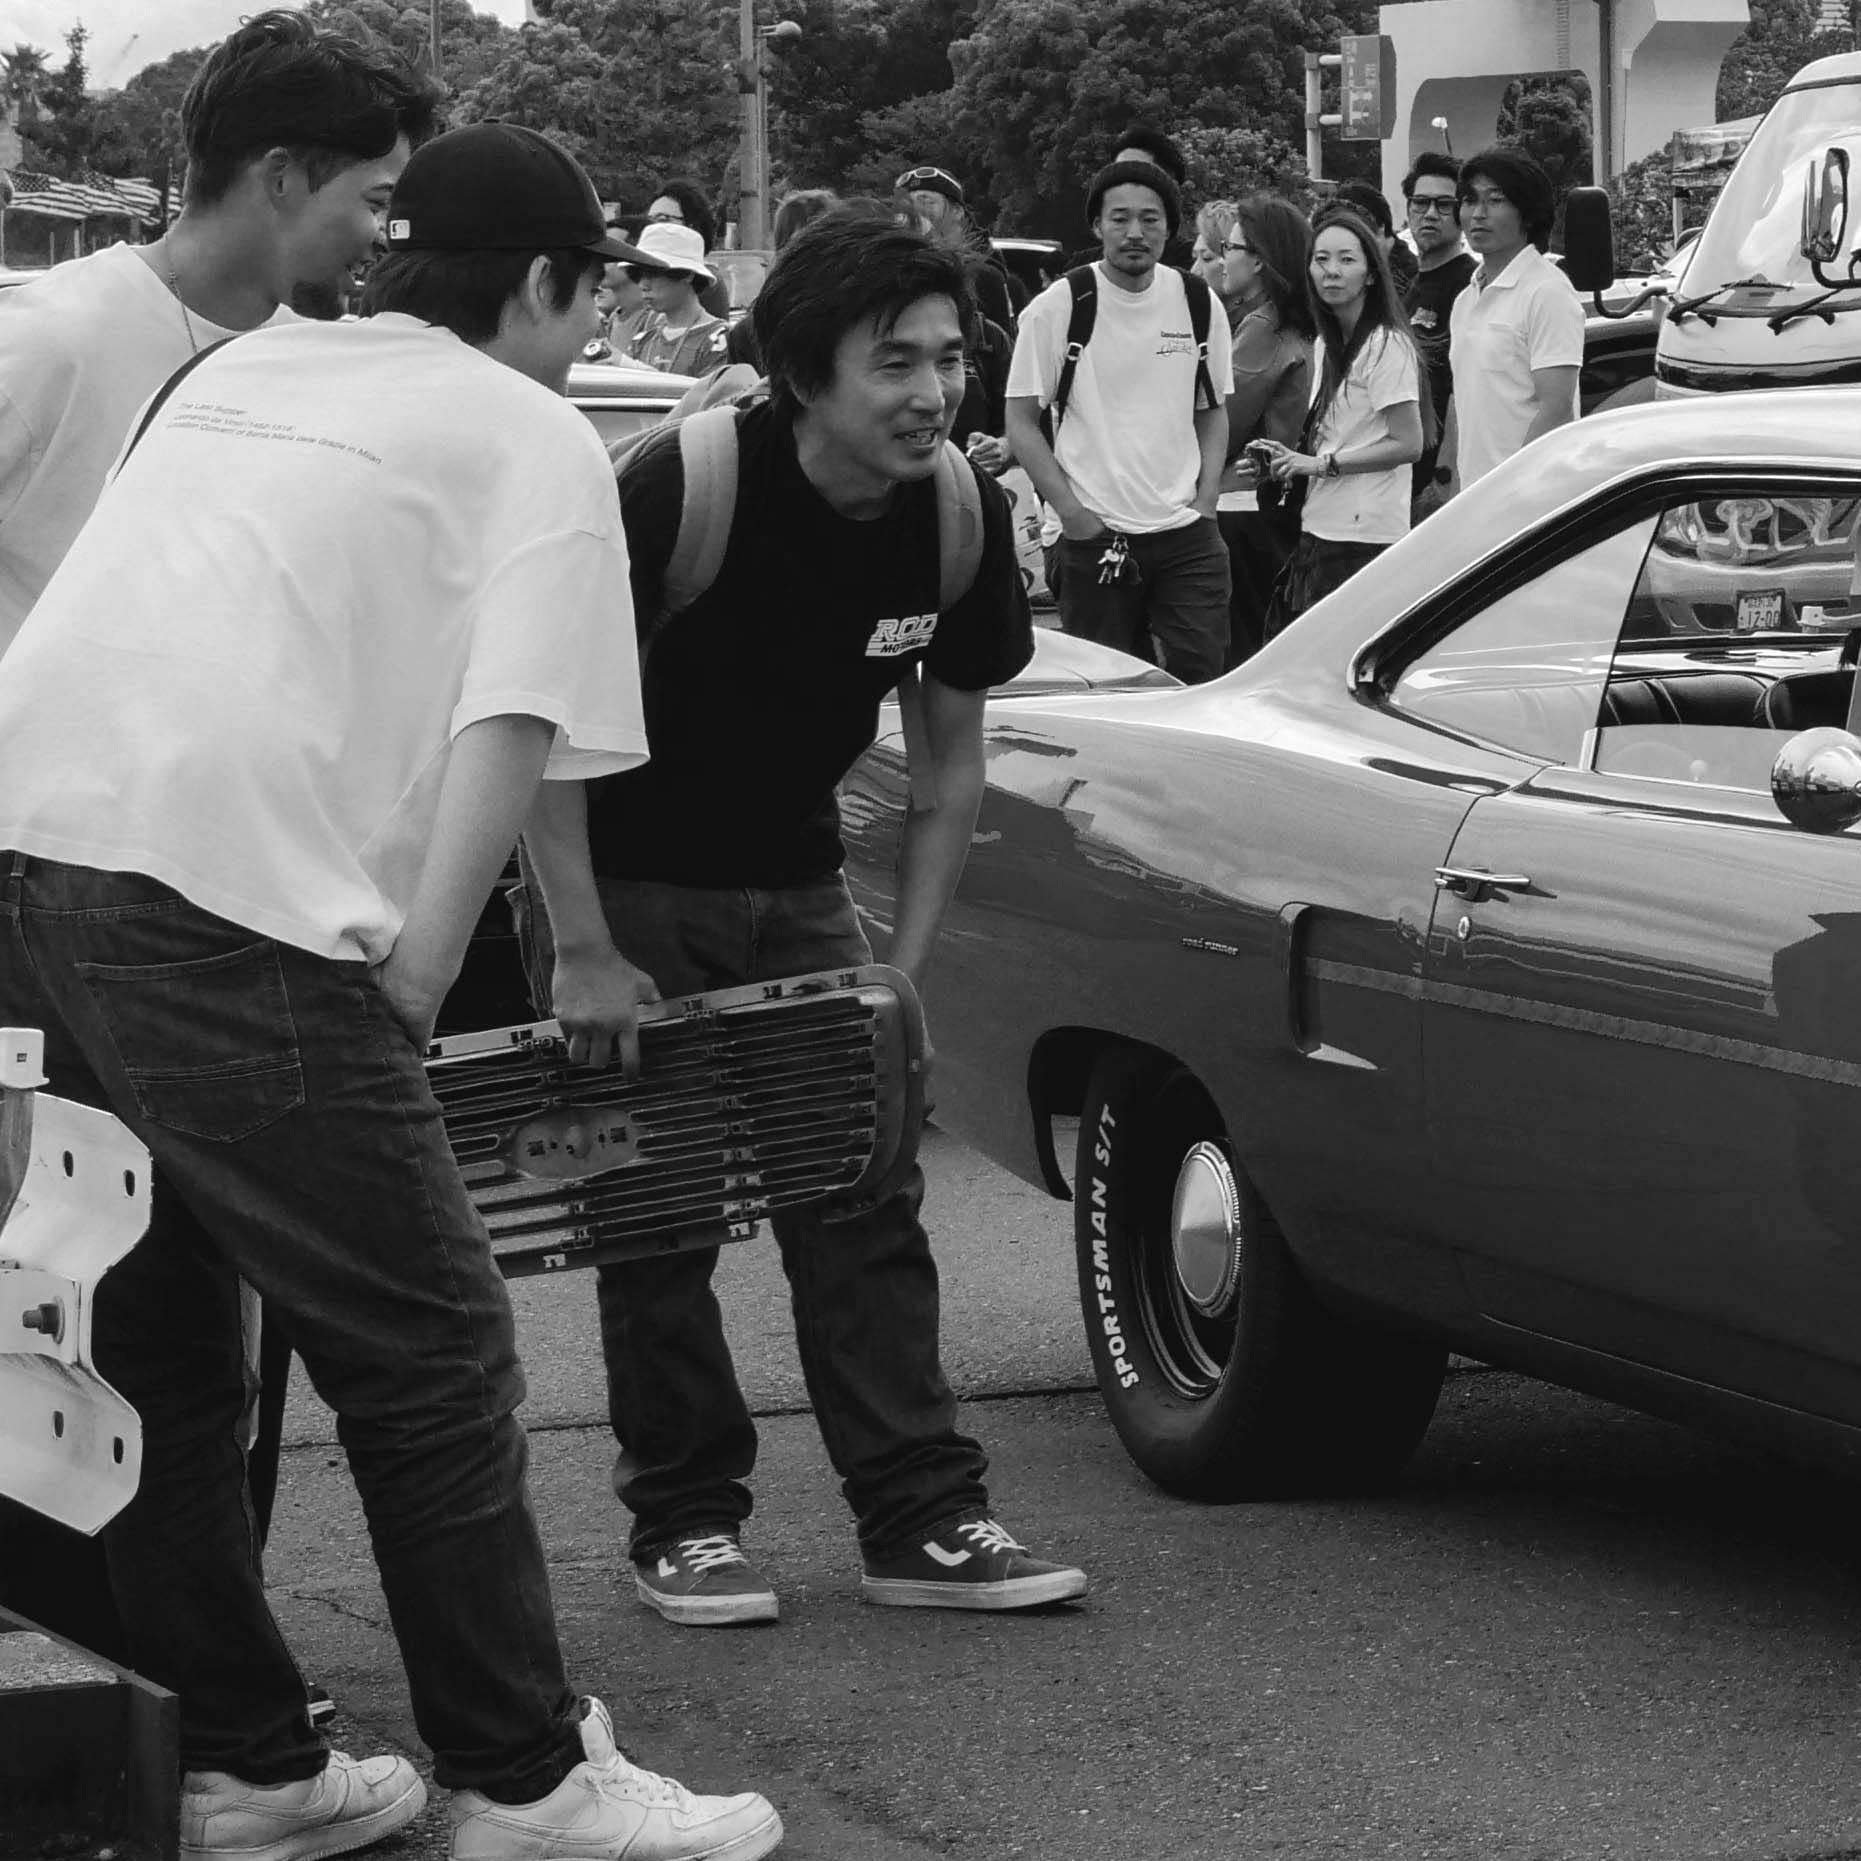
{"x":1058,"y":1071}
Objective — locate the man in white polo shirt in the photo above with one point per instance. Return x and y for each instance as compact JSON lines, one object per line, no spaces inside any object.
{"x":1516,"y":331}
{"x":1134,"y":466}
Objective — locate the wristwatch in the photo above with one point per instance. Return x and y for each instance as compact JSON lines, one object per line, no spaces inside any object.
{"x":1331,"y":464}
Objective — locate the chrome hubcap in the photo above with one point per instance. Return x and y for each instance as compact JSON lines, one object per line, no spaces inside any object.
{"x":1205,"y":1229}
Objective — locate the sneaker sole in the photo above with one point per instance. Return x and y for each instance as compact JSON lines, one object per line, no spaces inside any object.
{"x":1059,"y":1586}
{"x":338,"y":1838}
{"x":751,"y":1845}
{"x":709,"y":1612}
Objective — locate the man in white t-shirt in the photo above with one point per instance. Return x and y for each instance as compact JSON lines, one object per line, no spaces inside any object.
{"x":1133,"y":469}
{"x":294,"y":137}
{"x":1516,"y":331}
{"x":266,"y":740}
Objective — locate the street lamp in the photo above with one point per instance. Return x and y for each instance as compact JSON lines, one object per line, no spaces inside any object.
{"x":1447,"y":141}
{"x":753,"y":42}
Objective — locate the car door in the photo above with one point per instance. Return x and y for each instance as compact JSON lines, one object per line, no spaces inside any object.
{"x":1642,"y":1030}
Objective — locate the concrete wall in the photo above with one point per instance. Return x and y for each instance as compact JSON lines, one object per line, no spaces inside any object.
{"x":1454,"y":58}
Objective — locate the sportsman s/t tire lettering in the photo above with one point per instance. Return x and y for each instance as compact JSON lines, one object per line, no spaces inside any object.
{"x":1269,"y":1395}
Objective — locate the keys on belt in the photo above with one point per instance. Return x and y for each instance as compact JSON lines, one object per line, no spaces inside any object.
{"x":1117,"y":564}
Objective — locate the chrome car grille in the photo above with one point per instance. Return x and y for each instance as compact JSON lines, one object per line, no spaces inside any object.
{"x":749,"y":1101}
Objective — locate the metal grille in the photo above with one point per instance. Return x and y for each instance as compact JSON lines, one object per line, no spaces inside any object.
{"x":749,"y":1101}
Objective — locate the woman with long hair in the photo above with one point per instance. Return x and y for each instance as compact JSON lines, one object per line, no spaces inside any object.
{"x":1366,"y":426}
{"x":1266,"y":244}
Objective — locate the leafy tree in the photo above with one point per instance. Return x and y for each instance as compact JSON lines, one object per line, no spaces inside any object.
{"x":1780,"y":40}
{"x":58,"y":138}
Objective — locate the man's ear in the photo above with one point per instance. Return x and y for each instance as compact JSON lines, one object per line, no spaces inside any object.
{"x":534,"y":293}
{"x":280,"y":173}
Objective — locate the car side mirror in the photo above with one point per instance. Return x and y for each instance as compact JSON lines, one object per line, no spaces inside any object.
{"x":1816,"y":780}
{"x":1825,"y":215}
{"x":1589,"y":251}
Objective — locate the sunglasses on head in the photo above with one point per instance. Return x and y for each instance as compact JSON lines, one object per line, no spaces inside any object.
{"x":923,"y":177}
{"x":675,"y":216}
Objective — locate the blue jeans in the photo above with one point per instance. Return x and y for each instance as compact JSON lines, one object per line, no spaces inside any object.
{"x":863,"y":1288}
{"x":295,"y":1143}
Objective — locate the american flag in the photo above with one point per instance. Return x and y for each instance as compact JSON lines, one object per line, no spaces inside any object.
{"x":70,"y":200}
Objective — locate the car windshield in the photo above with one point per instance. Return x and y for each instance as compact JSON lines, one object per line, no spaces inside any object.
{"x":1757,"y":222}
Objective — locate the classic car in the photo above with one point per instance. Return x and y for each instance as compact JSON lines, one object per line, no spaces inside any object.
{"x":1450,"y":977}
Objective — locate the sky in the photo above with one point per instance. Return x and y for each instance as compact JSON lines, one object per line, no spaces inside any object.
{"x":125,"y":35}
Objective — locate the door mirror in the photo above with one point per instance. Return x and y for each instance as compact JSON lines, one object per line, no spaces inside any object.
{"x":1816,"y":780}
{"x":1825,"y":209}
{"x":1589,"y":240}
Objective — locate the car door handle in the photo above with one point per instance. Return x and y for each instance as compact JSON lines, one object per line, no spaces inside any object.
{"x":1471,"y":881}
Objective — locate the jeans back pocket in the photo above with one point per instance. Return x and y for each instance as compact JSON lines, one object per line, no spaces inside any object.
{"x":208,"y":1045}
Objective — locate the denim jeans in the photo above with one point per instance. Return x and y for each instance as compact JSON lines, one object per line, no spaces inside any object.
{"x":863,"y":1288}
{"x":295,"y":1144}
{"x":1178,"y":597}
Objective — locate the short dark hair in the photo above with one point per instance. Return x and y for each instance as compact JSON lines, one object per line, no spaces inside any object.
{"x":1431,"y":162}
{"x":835,"y":274}
{"x":1366,"y":201}
{"x":466,"y":291}
{"x":1523,"y":182}
{"x":1158,"y":147}
{"x":1136,"y":174}
{"x":694,"y":206}
{"x":281,"y":82}
{"x":1281,"y":237}
{"x":802,"y":208}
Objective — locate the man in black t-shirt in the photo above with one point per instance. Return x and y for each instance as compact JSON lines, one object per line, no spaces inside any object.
{"x":719,"y":863}
{"x":1431,"y":188}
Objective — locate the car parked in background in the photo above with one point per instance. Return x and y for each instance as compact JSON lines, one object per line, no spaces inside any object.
{"x":742,"y":275}
{"x":1035,"y":262}
{"x":1448,"y":977}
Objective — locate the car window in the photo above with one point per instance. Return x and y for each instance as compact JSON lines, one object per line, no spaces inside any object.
{"x":1732,"y":642}
{"x":1527,"y":671}
{"x":616,"y":421}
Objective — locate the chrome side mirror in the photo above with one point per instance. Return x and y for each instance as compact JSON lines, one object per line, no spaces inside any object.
{"x":1825,"y":214}
{"x":1816,"y":780}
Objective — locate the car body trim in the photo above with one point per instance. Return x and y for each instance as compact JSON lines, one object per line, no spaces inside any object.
{"x":1590,"y":1021}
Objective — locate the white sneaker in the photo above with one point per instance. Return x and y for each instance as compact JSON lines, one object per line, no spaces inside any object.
{"x":350,"y":1804}
{"x":608,"y":1809}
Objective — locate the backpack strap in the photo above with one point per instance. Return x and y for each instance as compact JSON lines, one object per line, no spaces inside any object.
{"x":162,"y":393}
{"x":707,"y":444}
{"x":1201,"y":315}
{"x":1083,"y":282}
{"x":959,"y":556}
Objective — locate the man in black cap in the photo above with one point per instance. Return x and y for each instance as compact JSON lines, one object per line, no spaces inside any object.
{"x":266,"y":740}
{"x":932,"y":200}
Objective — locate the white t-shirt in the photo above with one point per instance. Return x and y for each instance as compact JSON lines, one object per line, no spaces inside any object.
{"x":1529,"y":317}
{"x":81,"y":349}
{"x":336,"y":546}
{"x":1127,"y":442}
{"x":1363,"y":507}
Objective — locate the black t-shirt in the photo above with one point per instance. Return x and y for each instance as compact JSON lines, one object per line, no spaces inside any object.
{"x":1429,"y":300}
{"x":765,"y":691}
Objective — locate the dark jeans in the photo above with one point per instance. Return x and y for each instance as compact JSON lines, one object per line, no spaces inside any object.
{"x":1319,"y":566}
{"x":1260,"y":543}
{"x":1178,"y":597}
{"x":863,"y":1288}
{"x":295,"y":1143}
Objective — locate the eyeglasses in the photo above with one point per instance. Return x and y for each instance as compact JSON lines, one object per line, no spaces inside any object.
{"x":677,"y":218}
{"x":1437,"y":206}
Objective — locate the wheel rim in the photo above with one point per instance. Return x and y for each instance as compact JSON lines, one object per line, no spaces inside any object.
{"x":1205,"y":1230}
{"x":1187,"y":1277}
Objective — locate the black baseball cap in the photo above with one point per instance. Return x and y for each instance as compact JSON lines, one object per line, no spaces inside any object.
{"x":496,"y":187}
{"x":928,"y":180}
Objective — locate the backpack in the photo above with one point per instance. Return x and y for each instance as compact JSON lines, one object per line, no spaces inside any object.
{"x":707,"y":443}
{"x":1083,"y":282}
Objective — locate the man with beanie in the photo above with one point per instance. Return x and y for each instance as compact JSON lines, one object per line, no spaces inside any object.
{"x":266,"y":740}
{"x":1133,"y":466}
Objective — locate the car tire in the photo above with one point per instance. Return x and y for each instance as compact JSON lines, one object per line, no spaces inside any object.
{"x":1224,"y":1377}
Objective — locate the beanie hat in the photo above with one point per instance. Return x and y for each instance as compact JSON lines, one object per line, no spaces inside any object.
{"x":1136,"y":174}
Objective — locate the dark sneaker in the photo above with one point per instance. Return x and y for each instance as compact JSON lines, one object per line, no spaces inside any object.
{"x":705,"y":1583}
{"x":972,"y":1566}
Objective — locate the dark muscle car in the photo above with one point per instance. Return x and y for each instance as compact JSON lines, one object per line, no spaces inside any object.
{"x":1449,"y":976}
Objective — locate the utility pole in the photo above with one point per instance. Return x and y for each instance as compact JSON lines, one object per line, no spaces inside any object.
{"x":433,"y":34}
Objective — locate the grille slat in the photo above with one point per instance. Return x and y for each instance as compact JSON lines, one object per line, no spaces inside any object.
{"x":751,"y":1101}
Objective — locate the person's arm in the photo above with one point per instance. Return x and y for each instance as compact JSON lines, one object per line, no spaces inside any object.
{"x":1555,"y":390}
{"x":594,"y":991}
{"x":491,"y":774}
{"x":1035,"y":457}
{"x":1401,"y":446}
{"x":936,"y":840}
{"x":1211,"y":438}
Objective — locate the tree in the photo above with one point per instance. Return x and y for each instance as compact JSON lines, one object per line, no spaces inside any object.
{"x":25,"y":78}
{"x":58,"y":139}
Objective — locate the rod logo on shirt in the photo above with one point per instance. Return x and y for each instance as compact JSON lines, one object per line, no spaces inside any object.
{"x":905,"y":635}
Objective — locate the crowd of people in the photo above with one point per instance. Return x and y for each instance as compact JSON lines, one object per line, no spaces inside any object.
{"x":305,"y":621}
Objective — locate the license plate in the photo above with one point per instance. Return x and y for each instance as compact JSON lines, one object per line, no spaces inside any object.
{"x":1760,"y":610}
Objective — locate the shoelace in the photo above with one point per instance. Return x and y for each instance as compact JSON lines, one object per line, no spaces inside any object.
{"x":706,"y":1554}
{"x":989,"y":1536}
{"x":635,"y":1781}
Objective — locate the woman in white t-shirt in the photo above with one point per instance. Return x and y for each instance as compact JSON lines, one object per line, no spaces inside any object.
{"x":1366,"y":424}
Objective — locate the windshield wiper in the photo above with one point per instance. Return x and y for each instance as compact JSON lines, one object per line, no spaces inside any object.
{"x":1694,"y":306}
{"x":1816,"y":307}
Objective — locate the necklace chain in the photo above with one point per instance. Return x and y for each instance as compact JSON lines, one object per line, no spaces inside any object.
{"x":174,"y":288}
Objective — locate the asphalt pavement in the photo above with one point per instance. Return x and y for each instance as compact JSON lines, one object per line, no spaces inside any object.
{"x":1570,"y":1633}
